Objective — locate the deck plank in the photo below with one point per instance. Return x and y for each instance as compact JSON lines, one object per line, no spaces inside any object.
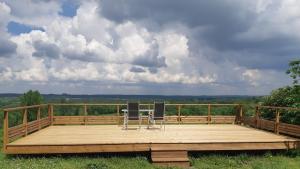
{"x":113,"y":134}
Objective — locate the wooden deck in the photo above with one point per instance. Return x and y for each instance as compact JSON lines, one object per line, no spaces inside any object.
{"x":112,"y":138}
{"x":87,"y":133}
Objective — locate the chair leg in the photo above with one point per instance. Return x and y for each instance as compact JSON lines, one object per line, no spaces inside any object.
{"x":124,"y":122}
{"x":148,"y":126}
{"x":140,"y":122}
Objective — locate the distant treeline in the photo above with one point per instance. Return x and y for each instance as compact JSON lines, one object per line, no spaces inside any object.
{"x":143,"y":98}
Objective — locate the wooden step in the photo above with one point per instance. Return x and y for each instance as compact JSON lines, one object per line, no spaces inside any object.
{"x":170,"y":158}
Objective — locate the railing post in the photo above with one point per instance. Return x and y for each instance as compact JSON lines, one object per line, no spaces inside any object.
{"x":25,"y":121}
{"x":256,"y":116}
{"x":85,"y":114}
{"x":241,"y":114}
{"x":276,"y":129}
{"x":118,"y":114}
{"x":5,"y":130}
{"x":209,"y":114}
{"x":39,"y":117}
{"x":179,"y":113}
{"x":50,"y":113}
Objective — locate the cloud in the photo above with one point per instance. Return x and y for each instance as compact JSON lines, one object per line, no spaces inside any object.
{"x":149,"y":47}
{"x":151,"y":58}
{"x":4,"y":16}
{"x":45,"y":49}
{"x":242,"y":29}
{"x":7,"y":48}
{"x":137,"y":69}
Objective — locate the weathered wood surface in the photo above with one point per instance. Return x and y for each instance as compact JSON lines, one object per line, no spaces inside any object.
{"x":111,"y":138}
{"x":293,"y":130}
{"x":20,"y":130}
{"x":171,"y":158}
{"x":65,"y":120}
{"x":113,"y":134}
{"x":13,"y":133}
{"x":283,"y":128}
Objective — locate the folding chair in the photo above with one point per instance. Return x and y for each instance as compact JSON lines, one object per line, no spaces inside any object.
{"x":132,"y":114}
{"x":159,"y":113}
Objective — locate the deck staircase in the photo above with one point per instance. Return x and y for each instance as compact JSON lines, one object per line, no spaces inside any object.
{"x":170,"y":158}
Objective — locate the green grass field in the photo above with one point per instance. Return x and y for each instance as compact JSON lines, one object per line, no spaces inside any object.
{"x":208,"y":161}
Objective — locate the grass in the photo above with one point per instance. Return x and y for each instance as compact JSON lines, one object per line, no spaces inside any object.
{"x":288,"y":160}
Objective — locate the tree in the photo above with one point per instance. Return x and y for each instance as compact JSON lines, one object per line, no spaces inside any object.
{"x":294,"y":71}
{"x":286,"y":97}
{"x":31,"y":98}
{"x":283,"y":97}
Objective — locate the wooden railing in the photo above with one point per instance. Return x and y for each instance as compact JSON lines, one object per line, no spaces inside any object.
{"x":274,"y":125}
{"x":117,"y":118}
{"x":85,"y":118}
{"x":15,"y":132}
{"x":53,"y":118}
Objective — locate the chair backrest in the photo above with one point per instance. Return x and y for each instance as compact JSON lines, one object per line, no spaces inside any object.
{"x":133,"y":110}
{"x":159,"y":110}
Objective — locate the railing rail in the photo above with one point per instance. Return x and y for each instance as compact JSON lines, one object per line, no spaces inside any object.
{"x":13,"y":132}
{"x":276,"y":125}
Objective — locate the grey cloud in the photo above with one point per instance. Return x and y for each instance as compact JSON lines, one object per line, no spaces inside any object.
{"x":45,"y":49}
{"x":151,"y":58}
{"x":222,"y":21}
{"x":137,"y":69}
{"x":192,"y":12}
{"x":151,"y":61}
{"x":86,"y":56}
{"x":152,"y":70}
{"x":7,"y":48}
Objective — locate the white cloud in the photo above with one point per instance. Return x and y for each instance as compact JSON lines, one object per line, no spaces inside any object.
{"x":88,"y":72}
{"x":35,"y":13}
{"x":4,"y":15}
{"x":274,"y":18}
{"x":94,"y":49}
{"x":6,"y":75}
{"x":252,"y":76}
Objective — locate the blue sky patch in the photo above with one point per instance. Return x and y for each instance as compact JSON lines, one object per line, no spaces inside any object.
{"x":16,"y":28}
{"x":69,"y":9}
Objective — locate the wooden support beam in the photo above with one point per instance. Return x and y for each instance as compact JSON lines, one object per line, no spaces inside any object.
{"x":118,"y":114}
{"x":276,"y":127}
{"x":209,"y":114}
{"x":179,"y":113}
{"x":50,"y":113}
{"x":5,"y":130}
{"x":241,"y":114}
{"x":39,"y":117}
{"x":85,"y":114}
{"x":25,"y":121}
{"x":256,"y":116}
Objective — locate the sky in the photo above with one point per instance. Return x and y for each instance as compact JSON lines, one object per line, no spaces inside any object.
{"x":160,"y":47}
